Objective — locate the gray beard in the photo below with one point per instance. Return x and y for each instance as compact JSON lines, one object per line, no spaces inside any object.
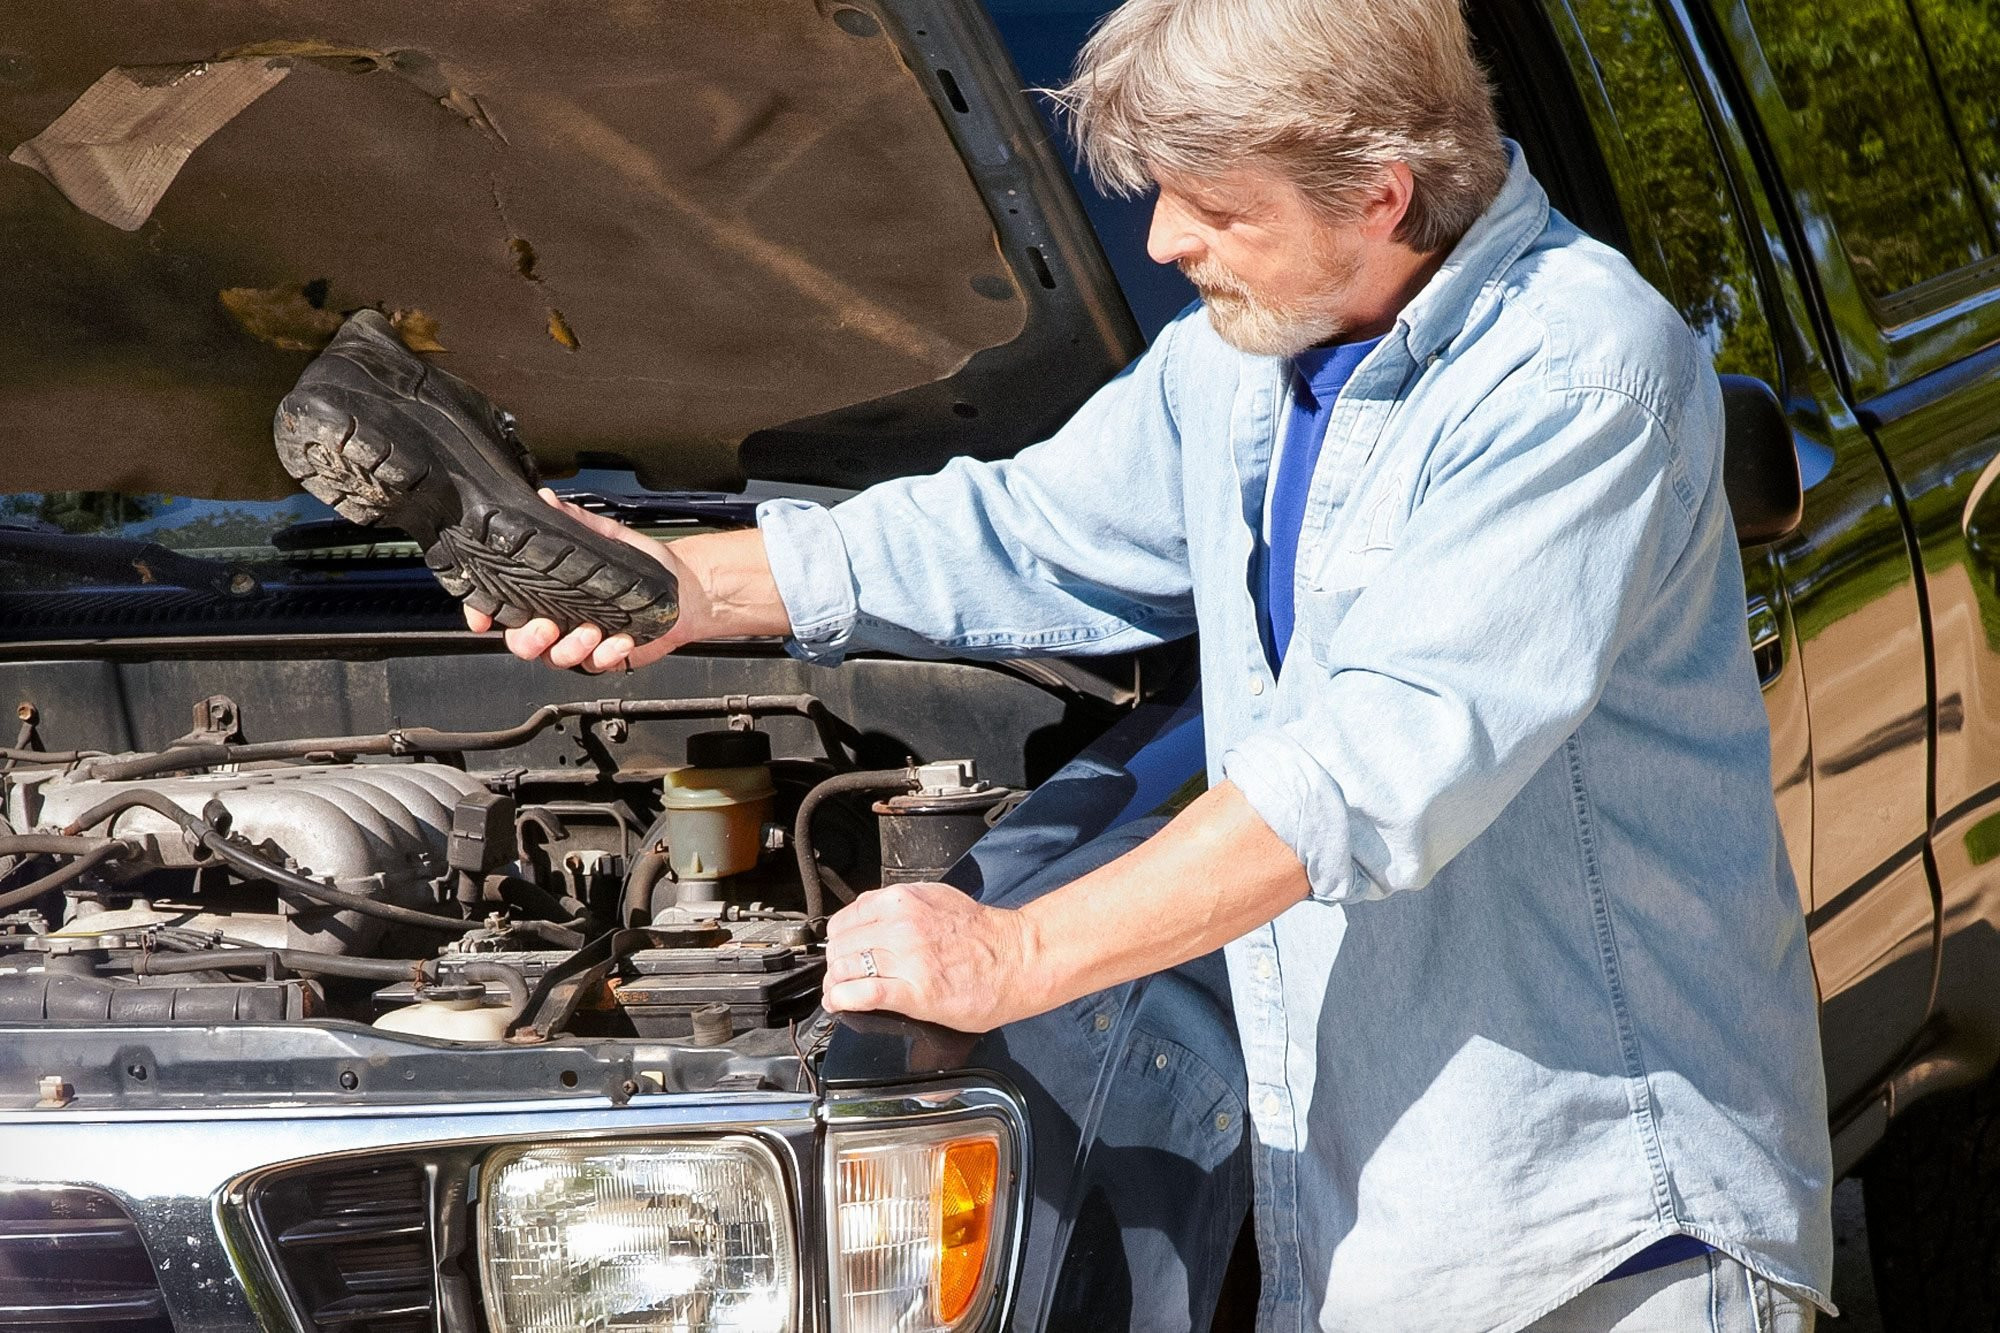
{"x":1250,"y":324}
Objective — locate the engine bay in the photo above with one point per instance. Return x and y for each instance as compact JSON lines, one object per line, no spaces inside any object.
{"x":413,"y":880}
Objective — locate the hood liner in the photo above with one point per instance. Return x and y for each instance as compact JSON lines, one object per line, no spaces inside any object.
{"x":650,"y":231}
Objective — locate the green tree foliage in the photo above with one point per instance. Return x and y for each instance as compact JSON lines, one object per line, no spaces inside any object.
{"x":1964,"y":41}
{"x":1868,"y":128}
{"x":83,"y":511}
{"x":244,"y":528}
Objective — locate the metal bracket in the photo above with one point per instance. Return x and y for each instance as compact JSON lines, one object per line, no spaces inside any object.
{"x":217,"y":721}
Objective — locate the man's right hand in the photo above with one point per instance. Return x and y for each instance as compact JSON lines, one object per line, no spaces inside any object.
{"x":726,"y":591}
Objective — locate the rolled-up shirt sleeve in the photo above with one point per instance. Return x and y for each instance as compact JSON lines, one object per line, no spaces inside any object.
{"x":815,"y":578}
{"x":1076,"y":545}
{"x":1485,"y":637}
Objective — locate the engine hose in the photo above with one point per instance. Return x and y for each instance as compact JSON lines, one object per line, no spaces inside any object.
{"x":525,"y":895}
{"x":13,"y":755}
{"x":66,"y":997}
{"x":509,"y":978}
{"x":646,"y":872}
{"x":47,"y":844}
{"x":841,"y":784}
{"x":99,"y":851}
{"x":192,"y":825}
{"x":269,"y":961}
{"x":202,"y":833}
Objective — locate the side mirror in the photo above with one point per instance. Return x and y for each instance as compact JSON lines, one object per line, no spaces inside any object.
{"x":1760,"y":462}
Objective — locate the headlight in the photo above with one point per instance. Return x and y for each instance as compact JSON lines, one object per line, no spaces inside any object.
{"x":681,"y":1235}
{"x":919,"y":1225}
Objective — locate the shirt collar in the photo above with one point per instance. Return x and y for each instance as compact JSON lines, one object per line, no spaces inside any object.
{"x":1510,"y":224}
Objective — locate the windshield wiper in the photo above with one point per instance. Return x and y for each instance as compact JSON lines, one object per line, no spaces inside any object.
{"x":123,"y":560}
{"x":313,"y":536}
{"x":707,"y":507}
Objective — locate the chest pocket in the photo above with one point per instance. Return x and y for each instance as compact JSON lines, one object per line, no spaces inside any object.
{"x":1349,"y":560}
{"x":1365,"y":537}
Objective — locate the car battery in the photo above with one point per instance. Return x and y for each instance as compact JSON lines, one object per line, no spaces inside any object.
{"x":763,"y":986}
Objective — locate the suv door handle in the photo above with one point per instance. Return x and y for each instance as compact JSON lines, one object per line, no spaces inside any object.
{"x":1767,"y":645}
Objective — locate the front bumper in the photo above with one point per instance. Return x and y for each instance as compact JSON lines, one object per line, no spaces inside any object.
{"x":191,"y":1177}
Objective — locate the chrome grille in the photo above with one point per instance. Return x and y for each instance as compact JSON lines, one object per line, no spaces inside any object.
{"x":354,"y":1246}
{"x":72,"y":1258}
{"x":211,"y":1185}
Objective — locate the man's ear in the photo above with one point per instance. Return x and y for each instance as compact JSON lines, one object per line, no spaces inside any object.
{"x":1388,"y":202}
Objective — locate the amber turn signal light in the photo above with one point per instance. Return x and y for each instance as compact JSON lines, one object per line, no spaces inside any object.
{"x":965,"y":1222}
{"x":921,"y":1219}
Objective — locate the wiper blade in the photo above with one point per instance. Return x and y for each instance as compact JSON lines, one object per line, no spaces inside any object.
{"x":321,"y":534}
{"x":124,"y":559}
{"x":711,"y":507}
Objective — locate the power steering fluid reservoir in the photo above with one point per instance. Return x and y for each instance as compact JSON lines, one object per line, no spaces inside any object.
{"x":717,"y":806}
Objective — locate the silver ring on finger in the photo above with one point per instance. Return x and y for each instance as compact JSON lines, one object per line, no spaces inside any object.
{"x":868,"y":963}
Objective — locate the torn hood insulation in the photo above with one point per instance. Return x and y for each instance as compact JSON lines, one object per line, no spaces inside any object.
{"x":710,"y":239}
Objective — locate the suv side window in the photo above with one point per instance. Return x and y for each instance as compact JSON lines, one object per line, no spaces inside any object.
{"x":1869,"y":126}
{"x":1694,"y":226}
{"x":1963,"y":38}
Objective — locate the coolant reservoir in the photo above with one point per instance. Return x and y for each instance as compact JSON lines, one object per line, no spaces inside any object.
{"x":469,"y":1019}
{"x":717,"y":806}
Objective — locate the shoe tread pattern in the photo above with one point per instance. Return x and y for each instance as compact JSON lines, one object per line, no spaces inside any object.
{"x":366,"y":438}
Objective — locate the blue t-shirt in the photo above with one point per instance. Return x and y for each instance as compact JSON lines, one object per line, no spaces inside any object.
{"x":1318,"y":374}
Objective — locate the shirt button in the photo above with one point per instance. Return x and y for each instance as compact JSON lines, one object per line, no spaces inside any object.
{"x":1256,"y":684}
{"x":1104,"y":1022}
{"x":1160,"y":1060}
{"x":1264,"y":969}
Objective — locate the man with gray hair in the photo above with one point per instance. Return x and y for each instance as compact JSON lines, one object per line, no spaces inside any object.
{"x":1517,"y":959}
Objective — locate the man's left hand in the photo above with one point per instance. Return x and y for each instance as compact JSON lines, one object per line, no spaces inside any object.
{"x":938,"y":956}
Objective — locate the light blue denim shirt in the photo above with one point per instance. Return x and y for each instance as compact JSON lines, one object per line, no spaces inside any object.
{"x":1549,"y":999}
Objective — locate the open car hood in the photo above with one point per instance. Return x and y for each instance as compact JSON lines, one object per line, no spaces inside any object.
{"x":819,"y":241}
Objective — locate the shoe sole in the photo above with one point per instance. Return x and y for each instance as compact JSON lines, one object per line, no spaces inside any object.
{"x":388,"y":439}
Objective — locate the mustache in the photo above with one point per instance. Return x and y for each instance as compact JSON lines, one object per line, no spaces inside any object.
{"x":1212,"y":279}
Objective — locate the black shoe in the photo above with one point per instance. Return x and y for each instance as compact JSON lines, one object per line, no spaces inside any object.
{"x":385,"y":437}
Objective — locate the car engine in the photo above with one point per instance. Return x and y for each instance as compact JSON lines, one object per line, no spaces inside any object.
{"x":391,"y":879}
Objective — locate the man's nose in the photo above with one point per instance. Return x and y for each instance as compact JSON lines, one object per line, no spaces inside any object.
{"x":1170,"y":239}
